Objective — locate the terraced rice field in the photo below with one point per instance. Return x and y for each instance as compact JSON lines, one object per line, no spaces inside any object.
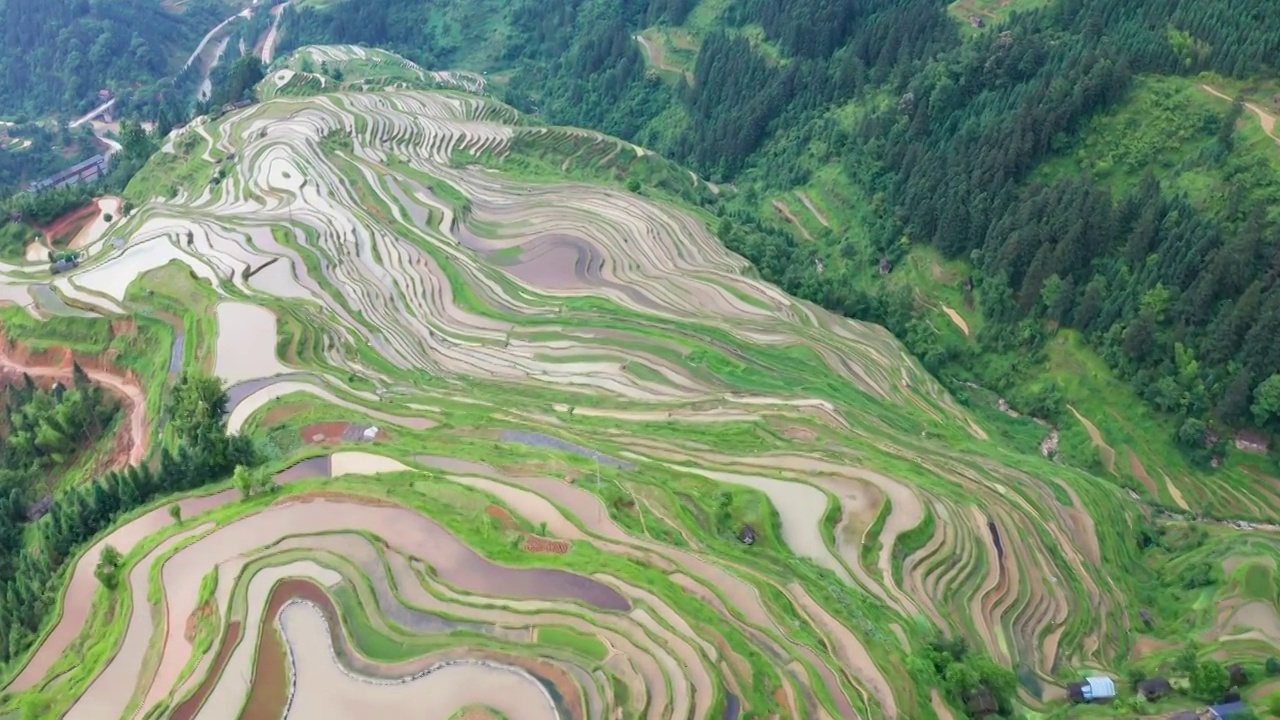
{"x":587,"y":398}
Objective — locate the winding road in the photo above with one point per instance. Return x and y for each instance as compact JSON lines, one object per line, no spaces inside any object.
{"x":1267,"y":119}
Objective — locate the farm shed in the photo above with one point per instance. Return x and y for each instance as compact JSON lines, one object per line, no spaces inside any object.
{"x":1092,"y":689}
{"x":1154,"y":688}
{"x":1227,"y":710}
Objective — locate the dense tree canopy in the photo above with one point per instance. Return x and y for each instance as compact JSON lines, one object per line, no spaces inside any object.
{"x":57,"y":54}
{"x":204,"y":453}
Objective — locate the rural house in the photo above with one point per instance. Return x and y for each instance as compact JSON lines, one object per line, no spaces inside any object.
{"x":87,"y":171}
{"x":64,"y":264}
{"x":981,"y":702}
{"x":1092,"y":689}
{"x":1227,"y":710}
{"x":1154,"y":688}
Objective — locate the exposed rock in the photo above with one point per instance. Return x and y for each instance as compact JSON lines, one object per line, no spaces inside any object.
{"x":1049,"y":446}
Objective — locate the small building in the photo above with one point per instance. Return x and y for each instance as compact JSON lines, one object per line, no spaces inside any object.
{"x":747,"y":535}
{"x":886,"y":267}
{"x":1154,"y":688}
{"x":64,"y":265}
{"x":977,"y":22}
{"x":237,"y":105}
{"x":1227,"y":710}
{"x":981,"y":703}
{"x":1145,"y":617}
{"x":105,"y":95}
{"x":87,"y":171}
{"x":1092,"y":689}
{"x":1239,"y":676}
{"x":40,"y":508}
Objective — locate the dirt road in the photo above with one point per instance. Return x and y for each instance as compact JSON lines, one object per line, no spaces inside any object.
{"x":955,"y":318}
{"x":1267,"y":119}
{"x":785,"y":211}
{"x":93,"y":113}
{"x":814,"y":209}
{"x":269,"y":47}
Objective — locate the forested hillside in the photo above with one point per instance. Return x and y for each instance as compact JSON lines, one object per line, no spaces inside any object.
{"x":1004,"y":148}
{"x":203,"y":452}
{"x":55,"y":55}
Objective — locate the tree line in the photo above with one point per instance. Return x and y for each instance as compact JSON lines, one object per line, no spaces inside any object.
{"x":30,"y":578}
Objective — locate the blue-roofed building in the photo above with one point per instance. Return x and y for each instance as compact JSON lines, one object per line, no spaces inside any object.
{"x":1092,"y":689}
{"x":1228,"y":710}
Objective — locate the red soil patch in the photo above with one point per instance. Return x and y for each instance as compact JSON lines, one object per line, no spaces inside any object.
{"x":330,"y":433}
{"x":539,"y":544}
{"x":502,"y":516}
{"x":280,"y":413}
{"x":1146,"y":645}
{"x":1140,"y":472}
{"x":127,"y":327}
{"x":319,"y":433}
{"x":800,"y":433}
{"x":56,"y":364}
{"x":69,"y":225}
{"x":780,"y":697}
{"x":194,"y":620}
{"x":336,"y":496}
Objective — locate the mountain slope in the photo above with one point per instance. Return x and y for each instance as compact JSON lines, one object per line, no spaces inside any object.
{"x":909,"y":128}
{"x":505,"y":295}
{"x":57,"y":54}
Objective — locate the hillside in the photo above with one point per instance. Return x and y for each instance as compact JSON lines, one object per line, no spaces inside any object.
{"x":510,"y":417}
{"x":1081,"y":163}
{"x":57,"y":54}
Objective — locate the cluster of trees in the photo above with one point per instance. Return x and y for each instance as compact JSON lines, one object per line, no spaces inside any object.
{"x":969,"y":678}
{"x":201,"y":453}
{"x":232,"y":82}
{"x":46,"y":428}
{"x":57,"y":54}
